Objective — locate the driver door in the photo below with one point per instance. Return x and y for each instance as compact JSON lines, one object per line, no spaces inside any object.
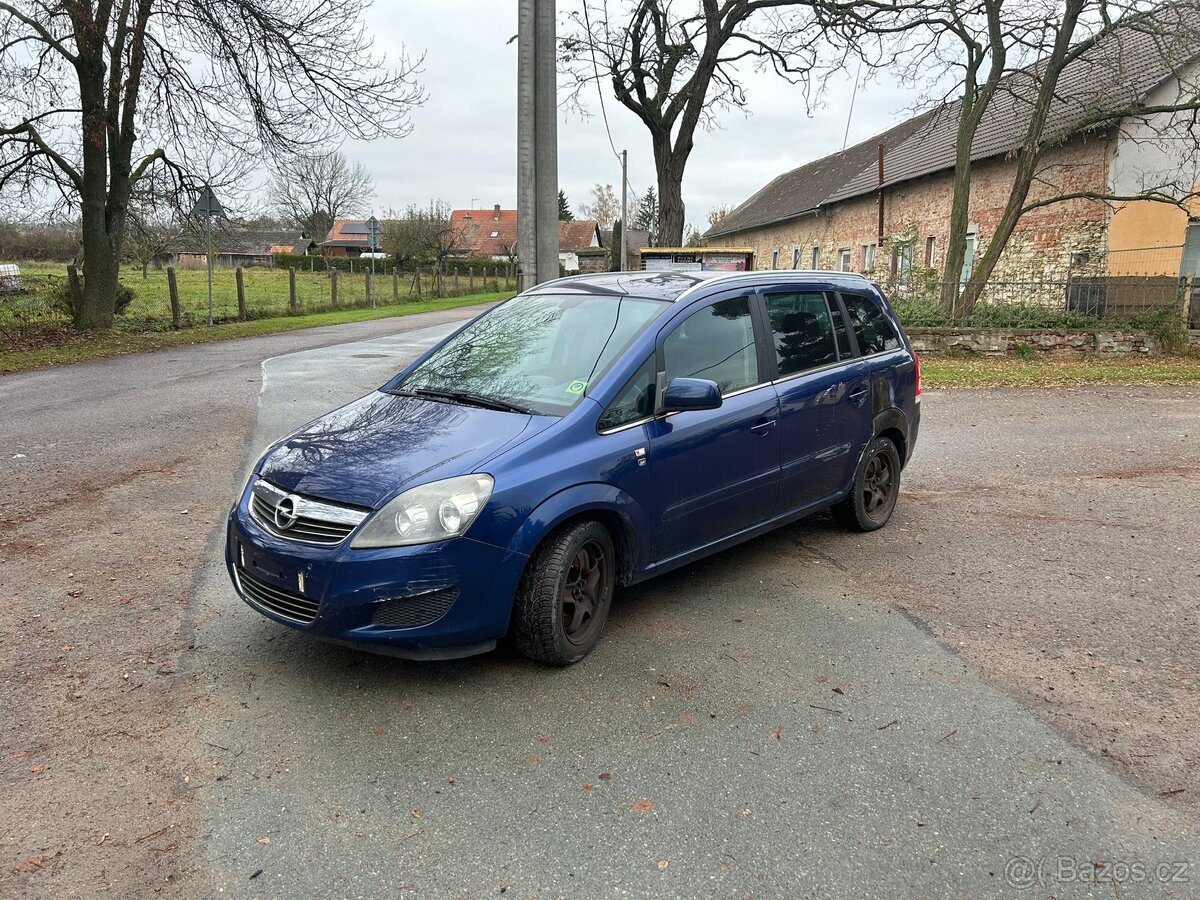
{"x":714,"y":472}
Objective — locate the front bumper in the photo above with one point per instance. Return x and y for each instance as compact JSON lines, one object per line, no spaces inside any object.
{"x":433,"y":601}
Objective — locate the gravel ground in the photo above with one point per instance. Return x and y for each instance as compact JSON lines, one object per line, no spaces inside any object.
{"x":1008,"y":670}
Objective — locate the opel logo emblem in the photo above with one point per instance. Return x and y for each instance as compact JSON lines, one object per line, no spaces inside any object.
{"x":285,"y":512}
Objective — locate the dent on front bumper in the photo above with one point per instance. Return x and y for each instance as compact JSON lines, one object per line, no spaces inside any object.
{"x":431,"y":601}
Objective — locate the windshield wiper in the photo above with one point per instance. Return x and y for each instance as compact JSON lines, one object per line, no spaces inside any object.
{"x":474,"y":400}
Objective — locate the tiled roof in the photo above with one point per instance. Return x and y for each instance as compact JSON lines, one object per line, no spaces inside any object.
{"x":1116,"y":74}
{"x":578,"y":235}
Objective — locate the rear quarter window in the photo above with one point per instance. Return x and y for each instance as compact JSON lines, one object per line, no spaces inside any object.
{"x":874,"y":330}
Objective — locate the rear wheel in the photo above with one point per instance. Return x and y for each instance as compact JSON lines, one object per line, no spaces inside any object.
{"x":565,"y":594}
{"x":872,"y":497}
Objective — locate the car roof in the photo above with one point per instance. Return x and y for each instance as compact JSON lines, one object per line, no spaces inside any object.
{"x":674,"y":286}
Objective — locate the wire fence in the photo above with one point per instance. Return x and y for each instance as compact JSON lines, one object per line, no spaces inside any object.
{"x":1082,"y":301}
{"x":40,"y":296}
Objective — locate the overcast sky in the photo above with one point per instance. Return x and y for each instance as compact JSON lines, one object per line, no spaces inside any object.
{"x":463,"y":145}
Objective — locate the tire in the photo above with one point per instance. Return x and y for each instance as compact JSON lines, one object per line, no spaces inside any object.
{"x":876,"y":487}
{"x":563,"y":600}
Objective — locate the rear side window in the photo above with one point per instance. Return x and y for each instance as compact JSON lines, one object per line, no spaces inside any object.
{"x":716,"y":343}
{"x":636,"y":400}
{"x":874,"y":330}
{"x":802,"y":331}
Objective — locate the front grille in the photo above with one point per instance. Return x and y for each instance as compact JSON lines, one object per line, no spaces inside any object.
{"x":410,"y":612}
{"x":277,"y":600}
{"x":311,"y":521}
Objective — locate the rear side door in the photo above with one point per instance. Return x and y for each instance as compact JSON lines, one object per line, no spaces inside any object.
{"x":822,"y":391}
{"x":714,"y":472}
{"x":888,"y":367}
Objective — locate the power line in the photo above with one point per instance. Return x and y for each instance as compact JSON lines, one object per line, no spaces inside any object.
{"x":587,"y":21}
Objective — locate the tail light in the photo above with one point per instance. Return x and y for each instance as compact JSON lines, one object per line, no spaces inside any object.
{"x":917,"y":368}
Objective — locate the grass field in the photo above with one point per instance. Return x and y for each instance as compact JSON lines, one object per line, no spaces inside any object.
{"x":1074,"y":371}
{"x":65,"y":346}
{"x":267,"y":294}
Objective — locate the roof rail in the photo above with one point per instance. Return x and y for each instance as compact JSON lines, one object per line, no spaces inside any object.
{"x":767,"y":274}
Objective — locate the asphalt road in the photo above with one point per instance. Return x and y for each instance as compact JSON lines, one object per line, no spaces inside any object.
{"x":764,"y":723}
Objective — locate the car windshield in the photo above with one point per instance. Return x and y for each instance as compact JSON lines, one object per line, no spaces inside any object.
{"x":537,"y":353}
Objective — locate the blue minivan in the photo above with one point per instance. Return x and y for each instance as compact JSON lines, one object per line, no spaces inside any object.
{"x":587,"y":434}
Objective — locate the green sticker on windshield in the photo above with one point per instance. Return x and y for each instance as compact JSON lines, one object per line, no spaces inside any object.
{"x":576,"y":387}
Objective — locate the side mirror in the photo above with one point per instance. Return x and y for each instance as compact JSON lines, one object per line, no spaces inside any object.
{"x":690,"y":393}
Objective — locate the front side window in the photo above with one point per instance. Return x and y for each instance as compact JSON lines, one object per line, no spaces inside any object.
{"x":716,"y":343}
{"x":636,"y":400}
{"x":802,"y":331}
{"x":874,"y":330}
{"x":538,"y":353}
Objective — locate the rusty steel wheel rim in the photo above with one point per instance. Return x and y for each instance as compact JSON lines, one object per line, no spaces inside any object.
{"x":587,"y":580}
{"x":879,"y":485}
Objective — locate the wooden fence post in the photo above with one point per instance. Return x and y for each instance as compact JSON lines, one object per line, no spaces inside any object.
{"x":456,"y":290}
{"x":471,"y":282}
{"x":241,"y":293}
{"x":292,"y":304}
{"x":74,"y":289}
{"x":395,"y":286}
{"x":333,"y":287}
{"x":418,"y":284}
{"x":172,"y":290}
{"x":369,"y":288}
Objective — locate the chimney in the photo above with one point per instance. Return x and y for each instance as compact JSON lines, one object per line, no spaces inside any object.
{"x":497,"y":216}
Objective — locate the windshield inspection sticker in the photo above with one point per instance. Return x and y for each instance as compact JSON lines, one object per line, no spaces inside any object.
{"x":576,"y":387}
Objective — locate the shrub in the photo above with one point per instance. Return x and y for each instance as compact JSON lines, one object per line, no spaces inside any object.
{"x":60,"y":298}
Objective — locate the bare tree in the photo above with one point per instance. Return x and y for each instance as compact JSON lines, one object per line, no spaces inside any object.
{"x":717,"y":215}
{"x":427,"y":233}
{"x":311,"y":191}
{"x":675,"y":65}
{"x":97,"y":94}
{"x":1015,"y":58}
{"x":604,"y":208}
{"x":152,"y":235}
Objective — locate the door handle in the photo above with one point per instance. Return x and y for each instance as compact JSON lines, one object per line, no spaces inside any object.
{"x":762,"y":426}
{"x":858,"y":395}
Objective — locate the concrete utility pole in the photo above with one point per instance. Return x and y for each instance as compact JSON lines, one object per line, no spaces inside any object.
{"x":537,"y":143}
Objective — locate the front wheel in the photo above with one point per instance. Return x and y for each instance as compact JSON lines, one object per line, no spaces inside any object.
{"x":876,"y":487}
{"x":563,"y":600}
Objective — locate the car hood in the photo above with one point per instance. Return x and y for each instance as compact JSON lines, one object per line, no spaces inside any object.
{"x":365,"y":451}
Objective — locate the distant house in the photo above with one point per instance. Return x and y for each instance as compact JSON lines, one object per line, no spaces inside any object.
{"x":234,"y":246}
{"x":492,"y":233}
{"x":636,"y":240}
{"x":347,"y":237}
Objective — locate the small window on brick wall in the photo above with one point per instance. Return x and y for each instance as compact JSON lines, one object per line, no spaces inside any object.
{"x":930,"y":252}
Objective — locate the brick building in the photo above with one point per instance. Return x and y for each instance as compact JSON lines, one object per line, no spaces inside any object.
{"x":838,"y":213}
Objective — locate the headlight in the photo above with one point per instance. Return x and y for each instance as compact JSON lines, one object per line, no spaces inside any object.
{"x":431,"y":512}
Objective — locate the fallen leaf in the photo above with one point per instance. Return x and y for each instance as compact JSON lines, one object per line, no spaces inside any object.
{"x":606,"y":776}
{"x":687,"y":719}
{"x":264,"y":840}
{"x":643,"y":805}
{"x":724,"y":867}
{"x":29,"y":865}
{"x":75,"y":593}
{"x":777,"y":732}
{"x":742,"y":813}
{"x":662,"y":864}
{"x":534,"y":760}
{"x":102,"y":839}
{"x":379,"y":732}
{"x":416,"y":814}
{"x":587,"y":785}
{"x":37,"y":770}
{"x":543,"y":740}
